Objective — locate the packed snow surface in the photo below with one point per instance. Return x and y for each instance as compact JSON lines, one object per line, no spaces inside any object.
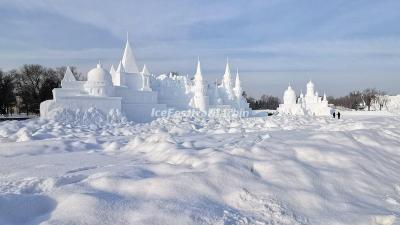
{"x":277,"y":170}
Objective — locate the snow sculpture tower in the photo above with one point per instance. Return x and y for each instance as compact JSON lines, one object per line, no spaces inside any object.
{"x":238,"y":86}
{"x":310,"y":89}
{"x":311,"y":97}
{"x":127,"y":73}
{"x":238,"y":91}
{"x":128,"y":59}
{"x":200,"y":99}
{"x":289,"y":96}
{"x":227,"y":82}
{"x":99,"y":82}
{"x":145,"y":79}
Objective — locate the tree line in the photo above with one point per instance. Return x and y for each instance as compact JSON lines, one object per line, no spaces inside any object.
{"x":23,"y":89}
{"x":359,"y":100}
{"x":264,"y":102}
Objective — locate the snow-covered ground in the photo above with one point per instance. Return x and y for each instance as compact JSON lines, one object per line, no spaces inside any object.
{"x":275,"y":170}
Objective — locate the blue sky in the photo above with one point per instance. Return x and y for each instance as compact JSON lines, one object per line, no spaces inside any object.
{"x":341,"y":45}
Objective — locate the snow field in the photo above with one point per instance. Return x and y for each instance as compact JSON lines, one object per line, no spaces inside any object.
{"x":180,"y":170}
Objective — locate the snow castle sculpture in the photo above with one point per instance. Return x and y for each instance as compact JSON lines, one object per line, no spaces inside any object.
{"x":311,"y":103}
{"x":137,"y":94}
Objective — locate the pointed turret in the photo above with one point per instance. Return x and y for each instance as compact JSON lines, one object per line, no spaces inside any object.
{"x":227,"y":78}
{"x":325,"y":98}
{"x":112,"y":70}
{"x":198,"y":75}
{"x":128,"y":59}
{"x":68,"y":76}
{"x":199,"y":99}
{"x":238,"y":86}
{"x":121,"y":68}
{"x":310,"y":89}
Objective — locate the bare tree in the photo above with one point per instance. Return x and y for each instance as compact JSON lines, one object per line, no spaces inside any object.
{"x":369,"y":96}
{"x":351,"y":101}
{"x":269,"y":102}
{"x":381,"y":99}
{"x":35,"y":84}
{"x":7,"y":95}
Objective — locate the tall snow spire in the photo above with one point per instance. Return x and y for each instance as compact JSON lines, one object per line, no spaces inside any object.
{"x":227,"y":79}
{"x":238,"y":86}
{"x":128,"y":59}
{"x":237,"y":81}
{"x":198,"y":75}
{"x":199,"y":98}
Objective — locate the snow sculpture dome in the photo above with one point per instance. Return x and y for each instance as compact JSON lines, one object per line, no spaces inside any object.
{"x":289,"y":97}
{"x":99,"y":75}
{"x":99,"y":82}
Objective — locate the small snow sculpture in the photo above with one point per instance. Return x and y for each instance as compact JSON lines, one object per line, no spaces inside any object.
{"x":311,"y":103}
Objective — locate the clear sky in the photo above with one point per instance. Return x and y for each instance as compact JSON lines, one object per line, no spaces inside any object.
{"x":341,"y":45}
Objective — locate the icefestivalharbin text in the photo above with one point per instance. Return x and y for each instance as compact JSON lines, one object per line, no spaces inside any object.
{"x":212,"y":113}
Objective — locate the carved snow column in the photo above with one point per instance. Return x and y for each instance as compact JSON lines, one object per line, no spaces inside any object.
{"x":227,"y":82}
{"x":200,"y":98}
{"x":145,"y":79}
{"x":238,"y":89}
